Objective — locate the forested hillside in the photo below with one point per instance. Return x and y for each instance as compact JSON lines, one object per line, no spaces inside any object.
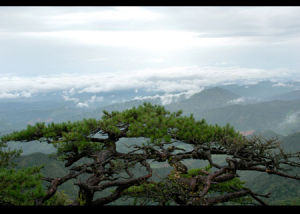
{"x":276,"y":118}
{"x":132,"y":134}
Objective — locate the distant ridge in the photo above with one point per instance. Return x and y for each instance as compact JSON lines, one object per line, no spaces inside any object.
{"x":262,"y":90}
{"x":293,"y":95}
{"x":291,"y":142}
{"x":272,"y":115}
{"x":210,"y":98}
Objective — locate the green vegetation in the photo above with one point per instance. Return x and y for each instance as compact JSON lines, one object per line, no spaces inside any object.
{"x":289,"y":202}
{"x":100,"y":174}
{"x":20,"y":187}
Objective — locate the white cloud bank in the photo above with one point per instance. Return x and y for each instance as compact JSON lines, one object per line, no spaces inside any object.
{"x":157,"y":40}
{"x":239,"y":100}
{"x":9,"y":95}
{"x":77,"y":101}
{"x":169,"y":98}
{"x":168,"y":80}
{"x":292,"y":118}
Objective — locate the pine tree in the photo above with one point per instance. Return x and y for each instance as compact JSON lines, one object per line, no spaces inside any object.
{"x":98,"y":167}
{"x":18,"y":187}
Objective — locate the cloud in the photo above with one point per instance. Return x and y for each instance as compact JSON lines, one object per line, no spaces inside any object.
{"x":166,"y":99}
{"x":156,"y":27}
{"x":162,"y":40}
{"x":110,"y":14}
{"x":236,"y":21}
{"x":95,"y":99}
{"x":67,"y":98}
{"x":6,"y":95}
{"x":10,"y":95}
{"x":54,"y":18}
{"x":281,"y":84}
{"x":292,"y":118}
{"x":236,"y":101}
{"x":211,"y":21}
{"x":162,"y":49}
{"x":167,"y":80}
{"x":82,"y":105}
{"x":78,"y":102}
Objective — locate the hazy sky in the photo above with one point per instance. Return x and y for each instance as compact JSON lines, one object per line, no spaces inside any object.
{"x":169,"y":49}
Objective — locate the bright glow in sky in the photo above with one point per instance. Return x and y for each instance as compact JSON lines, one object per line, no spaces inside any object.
{"x":169,"y":49}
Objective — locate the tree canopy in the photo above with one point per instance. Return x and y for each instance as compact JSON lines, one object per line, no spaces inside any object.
{"x":88,"y":149}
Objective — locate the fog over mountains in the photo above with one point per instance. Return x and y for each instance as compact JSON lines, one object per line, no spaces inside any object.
{"x":266,"y":108}
{"x":66,"y":63}
{"x":262,"y":106}
{"x":249,"y":108}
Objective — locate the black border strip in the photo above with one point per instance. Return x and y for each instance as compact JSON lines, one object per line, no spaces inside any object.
{"x":148,"y":3}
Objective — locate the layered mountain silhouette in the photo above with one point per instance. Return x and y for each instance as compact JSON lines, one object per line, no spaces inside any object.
{"x":293,"y":95}
{"x":211,"y":98}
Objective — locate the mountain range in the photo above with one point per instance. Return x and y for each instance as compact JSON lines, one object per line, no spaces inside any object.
{"x":249,"y":108}
{"x":239,"y":105}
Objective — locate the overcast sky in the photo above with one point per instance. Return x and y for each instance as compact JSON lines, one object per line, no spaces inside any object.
{"x":169,"y":49}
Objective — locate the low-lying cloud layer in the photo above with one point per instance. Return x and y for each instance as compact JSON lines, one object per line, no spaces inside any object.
{"x":82,"y":104}
{"x":167,"y":80}
{"x":169,"y":98}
